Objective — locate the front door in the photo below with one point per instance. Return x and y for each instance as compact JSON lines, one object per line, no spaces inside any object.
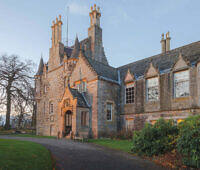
{"x":68,"y":122}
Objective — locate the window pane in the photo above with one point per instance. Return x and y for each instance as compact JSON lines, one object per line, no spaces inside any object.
{"x":152,"y":89}
{"x":181,"y":84}
{"x":109,"y":111}
{"x":130,"y":93}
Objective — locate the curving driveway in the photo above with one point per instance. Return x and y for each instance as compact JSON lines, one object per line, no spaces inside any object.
{"x":72,"y":155}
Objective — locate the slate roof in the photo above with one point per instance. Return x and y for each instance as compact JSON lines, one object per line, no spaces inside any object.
{"x":40,"y":68}
{"x":73,"y":51}
{"x":103,"y":70}
{"x":81,"y":101}
{"x":68,"y":51}
{"x":163,"y":61}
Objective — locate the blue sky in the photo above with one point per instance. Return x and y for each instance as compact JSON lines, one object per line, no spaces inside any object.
{"x":131,"y":28}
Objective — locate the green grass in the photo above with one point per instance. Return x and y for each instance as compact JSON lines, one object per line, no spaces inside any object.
{"x":123,"y":145}
{"x":23,"y":155}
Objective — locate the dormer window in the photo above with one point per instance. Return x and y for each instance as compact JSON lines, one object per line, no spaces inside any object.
{"x":152,"y":89}
{"x":181,"y":84}
{"x":130,"y":93}
{"x":82,"y":86}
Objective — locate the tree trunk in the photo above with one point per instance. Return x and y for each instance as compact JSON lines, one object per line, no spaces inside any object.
{"x":8,"y":109}
{"x":20,"y":119}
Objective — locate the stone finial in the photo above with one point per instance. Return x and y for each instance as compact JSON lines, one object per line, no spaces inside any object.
{"x":59,"y":17}
{"x":162,"y":36}
{"x":98,"y":9}
{"x":56,"y":20}
{"x":95,"y":6}
{"x":167,"y":34}
{"x":91,"y":8}
{"x":53,"y":23}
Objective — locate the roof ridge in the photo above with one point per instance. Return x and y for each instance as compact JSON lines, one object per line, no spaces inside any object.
{"x":171,"y":51}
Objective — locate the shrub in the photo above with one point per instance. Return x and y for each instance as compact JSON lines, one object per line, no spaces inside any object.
{"x":188,"y":143}
{"x":155,"y":139}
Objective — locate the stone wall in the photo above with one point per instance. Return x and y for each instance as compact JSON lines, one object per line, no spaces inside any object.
{"x":167,"y":106}
{"x":108,"y":92}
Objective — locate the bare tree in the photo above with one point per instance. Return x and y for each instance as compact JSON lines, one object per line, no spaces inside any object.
{"x":15,"y":79}
{"x":24,"y":105}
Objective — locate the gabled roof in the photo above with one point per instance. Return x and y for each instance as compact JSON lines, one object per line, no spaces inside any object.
{"x":81,"y":101}
{"x":40,"y":68}
{"x":164,"y":61}
{"x":103,"y":70}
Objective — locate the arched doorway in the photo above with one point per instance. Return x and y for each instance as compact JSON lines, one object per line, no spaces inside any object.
{"x":68,"y":122}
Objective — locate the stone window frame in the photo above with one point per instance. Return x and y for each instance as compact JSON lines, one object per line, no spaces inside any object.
{"x":51,"y":107}
{"x":173,"y":82}
{"x":146,"y":93}
{"x":134,"y":95}
{"x":112,"y":110}
{"x":44,"y":107}
{"x":84,"y":119}
{"x":45,"y":88}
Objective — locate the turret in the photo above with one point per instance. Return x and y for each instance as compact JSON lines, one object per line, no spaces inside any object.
{"x":76,"y":48}
{"x":40,"y":68}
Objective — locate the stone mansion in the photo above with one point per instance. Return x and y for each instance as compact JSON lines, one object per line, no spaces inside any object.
{"x":78,"y":92}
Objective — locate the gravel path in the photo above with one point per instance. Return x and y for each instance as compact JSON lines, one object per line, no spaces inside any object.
{"x":72,"y":155}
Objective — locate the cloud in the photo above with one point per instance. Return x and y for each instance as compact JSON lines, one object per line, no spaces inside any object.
{"x":79,"y":9}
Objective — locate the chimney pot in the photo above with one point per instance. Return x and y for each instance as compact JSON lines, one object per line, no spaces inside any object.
{"x":168,"y":41}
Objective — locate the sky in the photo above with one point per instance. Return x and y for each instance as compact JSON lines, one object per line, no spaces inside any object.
{"x":131,"y":28}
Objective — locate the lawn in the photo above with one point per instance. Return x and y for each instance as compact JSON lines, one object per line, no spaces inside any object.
{"x":123,"y":145}
{"x":23,"y":155}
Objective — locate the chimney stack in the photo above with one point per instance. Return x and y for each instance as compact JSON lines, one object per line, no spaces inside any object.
{"x":56,"y":31}
{"x":165,"y":43}
{"x":168,"y":42}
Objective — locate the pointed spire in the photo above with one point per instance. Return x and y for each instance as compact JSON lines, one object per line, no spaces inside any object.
{"x":41,"y":66}
{"x":76,"y":49}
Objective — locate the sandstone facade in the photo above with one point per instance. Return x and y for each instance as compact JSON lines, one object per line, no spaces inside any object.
{"x":79,"y":94}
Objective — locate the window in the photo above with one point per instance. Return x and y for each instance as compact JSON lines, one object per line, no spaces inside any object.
{"x":50,"y":108}
{"x":130,"y":93}
{"x":109,"y":112}
{"x":181,"y":84}
{"x":152,"y":89}
{"x":82,"y":87}
{"x":44,"y":108}
{"x":45,"y":89}
{"x":84,"y":118}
